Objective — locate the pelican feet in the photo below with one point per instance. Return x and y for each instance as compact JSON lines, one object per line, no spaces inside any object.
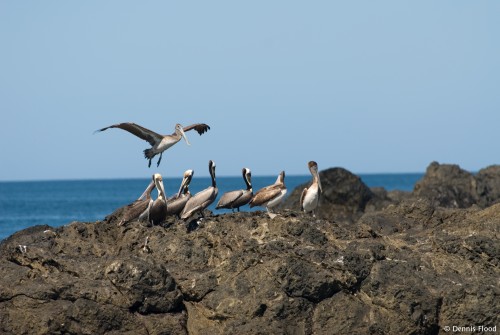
{"x":193,"y":224}
{"x":271,"y":214}
{"x":159,"y":160}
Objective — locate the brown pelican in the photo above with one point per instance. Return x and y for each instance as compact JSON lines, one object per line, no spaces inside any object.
{"x":202,"y":199}
{"x":132,"y":211}
{"x":176,"y":204}
{"x":156,"y":212}
{"x":310,"y":196}
{"x":270,"y":196}
{"x":159,"y":143}
{"x":238,"y":198}
{"x":141,"y":208}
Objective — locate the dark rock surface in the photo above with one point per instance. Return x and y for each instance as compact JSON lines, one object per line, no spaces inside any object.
{"x":385,"y":265}
{"x":450,"y":186}
{"x":345,"y":197}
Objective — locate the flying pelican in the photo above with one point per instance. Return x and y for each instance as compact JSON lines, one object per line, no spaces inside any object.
{"x":176,"y":203}
{"x":202,"y":199}
{"x":310,"y":196}
{"x":238,"y":198}
{"x":156,"y":212}
{"x":159,"y":143}
{"x":270,"y":196}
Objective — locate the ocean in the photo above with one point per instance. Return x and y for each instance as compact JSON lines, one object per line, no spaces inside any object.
{"x":56,"y":203}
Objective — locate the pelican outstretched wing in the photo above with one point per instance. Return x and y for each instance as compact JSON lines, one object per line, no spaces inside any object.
{"x":199,"y":127}
{"x":139,"y":131}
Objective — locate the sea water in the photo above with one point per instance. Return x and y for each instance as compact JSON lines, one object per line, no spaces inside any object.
{"x":28,"y":203}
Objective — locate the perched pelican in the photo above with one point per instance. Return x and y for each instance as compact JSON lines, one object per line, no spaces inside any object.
{"x":132,"y":211}
{"x":238,"y":198}
{"x":270,"y":196}
{"x":141,"y":208}
{"x":156,"y":212}
{"x":159,"y":143}
{"x":310,"y":196}
{"x":176,"y":204}
{"x":202,"y":199}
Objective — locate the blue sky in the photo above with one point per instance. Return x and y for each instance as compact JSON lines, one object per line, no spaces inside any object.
{"x":372,"y":86}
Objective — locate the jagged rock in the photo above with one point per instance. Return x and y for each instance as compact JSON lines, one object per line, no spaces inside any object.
{"x":410,"y":268}
{"x":488,"y":185}
{"x":344,"y":195}
{"x":386,"y":264}
{"x":448,"y":185}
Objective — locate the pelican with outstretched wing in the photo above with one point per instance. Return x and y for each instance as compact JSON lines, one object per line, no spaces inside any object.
{"x":159,"y":143}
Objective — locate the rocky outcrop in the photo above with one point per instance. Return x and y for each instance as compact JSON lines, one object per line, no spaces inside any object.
{"x":411,"y":267}
{"x":450,"y":186}
{"x":447,"y":185}
{"x":345,"y":197}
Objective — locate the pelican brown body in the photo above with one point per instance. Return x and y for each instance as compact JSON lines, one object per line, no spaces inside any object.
{"x":132,"y":211}
{"x":156,"y":212}
{"x":159,"y":143}
{"x":238,"y":198}
{"x":201,"y":200}
{"x":270,"y":196}
{"x":145,"y":208}
{"x":309,"y":198}
{"x":176,"y":204}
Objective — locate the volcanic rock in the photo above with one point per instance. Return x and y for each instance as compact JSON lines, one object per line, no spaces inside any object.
{"x":450,"y":186}
{"x":383,"y":265}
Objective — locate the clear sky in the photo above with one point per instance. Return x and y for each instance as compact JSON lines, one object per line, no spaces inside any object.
{"x":371,"y":86}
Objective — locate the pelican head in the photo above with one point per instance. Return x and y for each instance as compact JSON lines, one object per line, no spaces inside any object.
{"x":247,"y":175}
{"x":211,"y":169}
{"x":188,"y":175}
{"x":159,"y":186}
{"x":313,"y":167}
{"x":281,"y":178}
{"x":180,"y":131}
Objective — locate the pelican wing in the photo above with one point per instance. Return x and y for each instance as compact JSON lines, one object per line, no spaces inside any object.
{"x":129,"y":212}
{"x":302,"y":196}
{"x":175,"y":205}
{"x":147,"y":192}
{"x":228,"y":198}
{"x":139,"y":131}
{"x":199,"y":127}
{"x":199,"y":201}
{"x":264,"y":195}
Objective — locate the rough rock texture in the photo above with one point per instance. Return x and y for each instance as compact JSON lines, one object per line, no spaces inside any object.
{"x":412,"y":267}
{"x":345,"y":197}
{"x":447,"y":185}
{"x":450,"y":186}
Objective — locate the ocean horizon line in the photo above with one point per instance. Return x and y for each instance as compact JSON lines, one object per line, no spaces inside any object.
{"x":201,"y":176}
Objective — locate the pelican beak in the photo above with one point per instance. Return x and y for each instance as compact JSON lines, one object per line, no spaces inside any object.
{"x":161,"y":189}
{"x":184,"y":136}
{"x":147,"y":191}
{"x":319,"y":181}
{"x":184,"y":182}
